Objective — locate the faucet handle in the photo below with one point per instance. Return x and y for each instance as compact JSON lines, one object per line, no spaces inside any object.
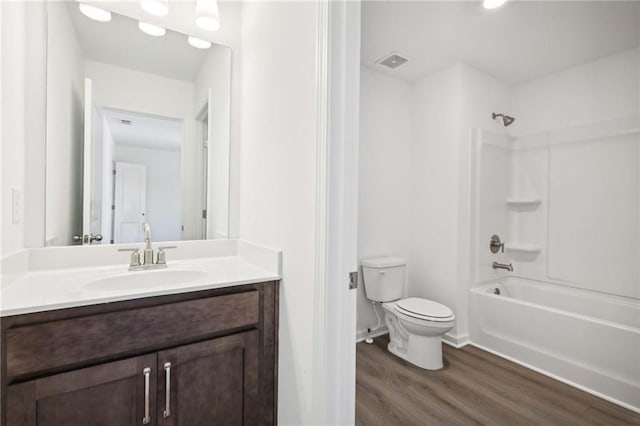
{"x":135,"y":256}
{"x":162,"y":257}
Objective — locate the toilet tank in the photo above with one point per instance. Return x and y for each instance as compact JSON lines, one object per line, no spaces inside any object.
{"x":383,"y":278}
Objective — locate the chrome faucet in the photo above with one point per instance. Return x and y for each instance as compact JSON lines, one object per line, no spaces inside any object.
{"x":507,"y":266}
{"x":147,"y":261}
{"x":148,"y":250}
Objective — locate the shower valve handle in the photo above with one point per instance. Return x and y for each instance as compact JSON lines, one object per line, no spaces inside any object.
{"x":495,"y":244}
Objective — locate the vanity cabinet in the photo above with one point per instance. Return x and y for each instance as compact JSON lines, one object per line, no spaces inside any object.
{"x":199,"y":358}
{"x":106,"y":394}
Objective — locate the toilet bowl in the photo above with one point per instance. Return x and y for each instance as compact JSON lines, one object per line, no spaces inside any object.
{"x":417,"y":336}
{"x":416,"y":325}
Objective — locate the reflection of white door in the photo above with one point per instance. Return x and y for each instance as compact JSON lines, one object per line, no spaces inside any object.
{"x":130,"y":202}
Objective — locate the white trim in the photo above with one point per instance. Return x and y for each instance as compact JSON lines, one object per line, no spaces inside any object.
{"x":456,"y":341}
{"x":338,"y":74}
{"x":318,"y":376}
{"x":558,"y":378}
{"x":87,"y":158}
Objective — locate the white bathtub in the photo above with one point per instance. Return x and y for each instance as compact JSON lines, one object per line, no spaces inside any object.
{"x":586,"y":339}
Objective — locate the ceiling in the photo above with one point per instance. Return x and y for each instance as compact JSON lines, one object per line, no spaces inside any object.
{"x":515,"y":43}
{"x":144,"y":131}
{"x":120,"y":42}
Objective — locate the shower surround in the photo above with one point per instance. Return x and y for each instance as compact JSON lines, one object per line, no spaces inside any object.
{"x":567,"y":205}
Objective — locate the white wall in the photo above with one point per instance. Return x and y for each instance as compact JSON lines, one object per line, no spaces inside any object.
{"x":164,"y":188}
{"x":278,"y":176}
{"x":13,"y":118}
{"x":598,"y":91}
{"x":415,"y":181}
{"x":384,"y":175}
{"x":576,"y":151}
{"x":215,"y":76}
{"x":481,"y":94}
{"x":433,"y":271}
{"x":122,"y":88}
{"x":65,"y":101}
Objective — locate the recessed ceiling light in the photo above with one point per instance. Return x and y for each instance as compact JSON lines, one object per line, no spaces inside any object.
{"x":492,"y":4}
{"x":151,"y":29}
{"x":95,"y":13}
{"x":199,"y":43}
{"x":207,"y":15}
{"x":155,"y":7}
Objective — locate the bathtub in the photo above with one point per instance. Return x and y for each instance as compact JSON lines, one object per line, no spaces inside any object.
{"x":586,"y":339}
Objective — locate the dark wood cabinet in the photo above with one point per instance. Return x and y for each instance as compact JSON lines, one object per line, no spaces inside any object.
{"x":105,"y":395}
{"x":211,"y":383}
{"x":203,"y":358}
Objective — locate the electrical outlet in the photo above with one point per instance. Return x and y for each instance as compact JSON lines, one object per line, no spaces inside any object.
{"x":17,"y":205}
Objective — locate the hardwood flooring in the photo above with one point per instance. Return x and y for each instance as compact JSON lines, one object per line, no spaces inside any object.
{"x":474,"y":388}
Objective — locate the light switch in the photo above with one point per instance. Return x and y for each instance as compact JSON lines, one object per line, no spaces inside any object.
{"x":17,"y":205}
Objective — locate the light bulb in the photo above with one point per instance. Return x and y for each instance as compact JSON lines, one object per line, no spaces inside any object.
{"x":151,"y":29}
{"x":207,"y":15}
{"x":199,"y":43}
{"x":95,"y":13}
{"x":492,"y":4}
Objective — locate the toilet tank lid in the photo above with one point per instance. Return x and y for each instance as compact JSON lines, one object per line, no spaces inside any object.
{"x":383,"y":262}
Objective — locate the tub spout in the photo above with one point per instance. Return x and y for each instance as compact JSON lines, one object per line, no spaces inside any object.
{"x":508,"y":267}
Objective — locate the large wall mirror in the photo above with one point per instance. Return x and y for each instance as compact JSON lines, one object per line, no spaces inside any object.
{"x":137,"y":131}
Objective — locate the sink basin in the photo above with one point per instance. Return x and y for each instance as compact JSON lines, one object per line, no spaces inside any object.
{"x":140,"y":280}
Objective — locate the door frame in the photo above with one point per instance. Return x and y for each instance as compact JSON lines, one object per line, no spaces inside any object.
{"x":338,"y":94}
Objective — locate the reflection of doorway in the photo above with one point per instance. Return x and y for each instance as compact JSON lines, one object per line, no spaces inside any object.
{"x":154,"y":145}
{"x":129,"y":202}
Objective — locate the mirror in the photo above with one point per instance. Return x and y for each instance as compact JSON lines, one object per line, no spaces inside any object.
{"x":137,"y":131}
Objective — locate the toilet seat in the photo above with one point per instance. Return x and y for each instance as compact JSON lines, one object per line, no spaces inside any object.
{"x":424,"y":309}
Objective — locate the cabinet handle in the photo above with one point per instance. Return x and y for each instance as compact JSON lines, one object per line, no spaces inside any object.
{"x":147,"y":417}
{"x":167,"y":390}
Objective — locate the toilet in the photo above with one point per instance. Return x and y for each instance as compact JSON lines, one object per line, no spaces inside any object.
{"x":415,"y":325}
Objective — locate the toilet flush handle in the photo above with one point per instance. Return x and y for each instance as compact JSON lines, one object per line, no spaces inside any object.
{"x":382,"y":272}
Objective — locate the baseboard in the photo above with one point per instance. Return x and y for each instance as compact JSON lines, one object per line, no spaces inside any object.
{"x":362,"y":334}
{"x":457,"y":341}
{"x":558,"y":378}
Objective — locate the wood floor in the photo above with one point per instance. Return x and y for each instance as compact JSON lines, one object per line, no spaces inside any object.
{"x":474,"y":387}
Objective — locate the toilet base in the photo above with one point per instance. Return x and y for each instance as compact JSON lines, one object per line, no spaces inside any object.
{"x":423,"y":352}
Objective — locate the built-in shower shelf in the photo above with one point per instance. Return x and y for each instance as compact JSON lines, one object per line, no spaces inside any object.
{"x":524,"y":202}
{"x":523,"y":247}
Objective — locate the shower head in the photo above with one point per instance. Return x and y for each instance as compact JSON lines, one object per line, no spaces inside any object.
{"x":506,"y":120}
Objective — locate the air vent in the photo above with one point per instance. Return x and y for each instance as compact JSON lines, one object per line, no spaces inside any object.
{"x":126,"y":122}
{"x":393,"y":61}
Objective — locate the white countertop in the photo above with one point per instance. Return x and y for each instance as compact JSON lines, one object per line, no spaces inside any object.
{"x":35,"y":289}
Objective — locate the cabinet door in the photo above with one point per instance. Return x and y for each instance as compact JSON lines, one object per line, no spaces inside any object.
{"x":210,"y":383}
{"x":105,"y":395}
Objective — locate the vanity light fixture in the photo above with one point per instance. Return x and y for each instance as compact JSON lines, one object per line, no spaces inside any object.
{"x":207,"y":15}
{"x":155,"y":7}
{"x":152,"y":30}
{"x":493,"y":4}
{"x":199,"y":43}
{"x":95,"y":13}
